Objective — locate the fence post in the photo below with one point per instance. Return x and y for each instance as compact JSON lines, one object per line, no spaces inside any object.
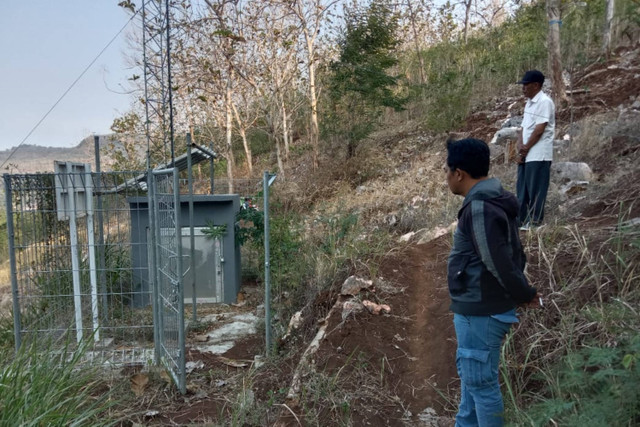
{"x":12,"y":262}
{"x":152,"y":259}
{"x":192,"y":239}
{"x":266,"y":182}
{"x":93,"y":278}
{"x":75,"y":262}
{"x":99,"y":213}
{"x":182,"y":383}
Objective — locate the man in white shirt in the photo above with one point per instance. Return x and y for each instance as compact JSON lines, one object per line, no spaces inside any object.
{"x":535,"y":150}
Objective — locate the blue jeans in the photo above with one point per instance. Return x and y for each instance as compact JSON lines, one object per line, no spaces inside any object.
{"x":477,"y":359}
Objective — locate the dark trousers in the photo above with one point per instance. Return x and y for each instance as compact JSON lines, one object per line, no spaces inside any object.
{"x":532,"y":186}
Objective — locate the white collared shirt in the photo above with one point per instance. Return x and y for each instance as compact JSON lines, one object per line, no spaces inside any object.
{"x":538,"y":110}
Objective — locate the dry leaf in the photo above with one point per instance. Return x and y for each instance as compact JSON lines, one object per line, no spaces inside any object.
{"x":165,"y":376}
{"x":231,"y":362}
{"x":139,"y":383}
{"x":201,"y":338}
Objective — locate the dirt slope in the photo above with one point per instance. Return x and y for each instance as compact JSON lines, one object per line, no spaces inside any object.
{"x":413,"y":345}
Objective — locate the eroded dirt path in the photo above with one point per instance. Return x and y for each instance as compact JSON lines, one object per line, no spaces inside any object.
{"x":412,"y":349}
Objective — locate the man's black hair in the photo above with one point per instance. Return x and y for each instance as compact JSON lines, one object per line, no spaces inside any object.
{"x":470,"y":155}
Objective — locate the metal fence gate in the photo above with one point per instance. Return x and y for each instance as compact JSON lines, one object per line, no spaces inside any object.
{"x":166,"y":272}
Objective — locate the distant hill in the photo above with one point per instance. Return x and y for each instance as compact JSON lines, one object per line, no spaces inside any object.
{"x":34,"y":158}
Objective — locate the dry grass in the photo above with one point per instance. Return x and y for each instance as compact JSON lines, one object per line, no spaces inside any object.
{"x":587,"y":278}
{"x":406,"y":193}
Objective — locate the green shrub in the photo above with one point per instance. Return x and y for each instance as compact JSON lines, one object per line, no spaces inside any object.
{"x":596,"y":386}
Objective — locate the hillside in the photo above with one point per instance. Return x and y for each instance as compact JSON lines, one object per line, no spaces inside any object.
{"x":345,"y":365}
{"x":34,"y":158}
{"x":413,"y":347}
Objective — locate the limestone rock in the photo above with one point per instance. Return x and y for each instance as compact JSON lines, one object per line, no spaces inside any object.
{"x":571,"y":171}
{"x":504,"y":135}
{"x":406,"y":237}
{"x":351,"y":306}
{"x":574,"y":187}
{"x":375,"y":308}
{"x":353,"y":285}
{"x":428,"y":235}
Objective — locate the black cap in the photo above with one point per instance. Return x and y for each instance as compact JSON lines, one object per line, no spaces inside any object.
{"x":532,"y":76}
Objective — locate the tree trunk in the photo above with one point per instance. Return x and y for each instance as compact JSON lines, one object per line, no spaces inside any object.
{"x":467,"y":14}
{"x":554,"y":60}
{"x":247,"y":150}
{"x":315,"y":129}
{"x":245,"y":143}
{"x":285,"y":128}
{"x":280,"y":161}
{"x":412,"y":18}
{"x":230,"y":159}
{"x":608,"y":28}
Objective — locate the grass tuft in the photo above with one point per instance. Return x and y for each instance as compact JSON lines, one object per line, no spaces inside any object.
{"x":52,"y":388}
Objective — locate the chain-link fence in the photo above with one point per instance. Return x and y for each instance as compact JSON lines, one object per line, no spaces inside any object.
{"x":71,"y":265}
{"x":88,"y":250}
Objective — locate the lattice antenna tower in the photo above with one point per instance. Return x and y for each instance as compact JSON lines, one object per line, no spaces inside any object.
{"x":156,"y":40}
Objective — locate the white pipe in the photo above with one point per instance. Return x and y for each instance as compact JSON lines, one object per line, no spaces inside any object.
{"x":75,"y":267}
{"x":92,"y":254}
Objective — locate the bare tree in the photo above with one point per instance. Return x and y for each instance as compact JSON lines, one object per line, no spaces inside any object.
{"x":493,"y":12}
{"x":226,"y":38}
{"x":554,"y":58}
{"x":276,"y":47}
{"x":311,"y":15}
{"x":467,"y":16}
{"x":608,"y":28}
{"x":417,"y":16}
{"x":245,"y":119}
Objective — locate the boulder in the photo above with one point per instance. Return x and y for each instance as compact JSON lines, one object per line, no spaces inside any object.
{"x":512,"y":122}
{"x":353,"y":285}
{"x":571,"y":171}
{"x":351,"y":307}
{"x":574,"y":187}
{"x":505,"y":134}
{"x":496,"y":151}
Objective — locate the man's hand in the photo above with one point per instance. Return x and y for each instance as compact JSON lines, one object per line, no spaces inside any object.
{"x":522,"y":154}
{"x":536,"y":302}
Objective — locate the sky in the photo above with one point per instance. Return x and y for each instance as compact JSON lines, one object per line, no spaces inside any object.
{"x":44,"y":46}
